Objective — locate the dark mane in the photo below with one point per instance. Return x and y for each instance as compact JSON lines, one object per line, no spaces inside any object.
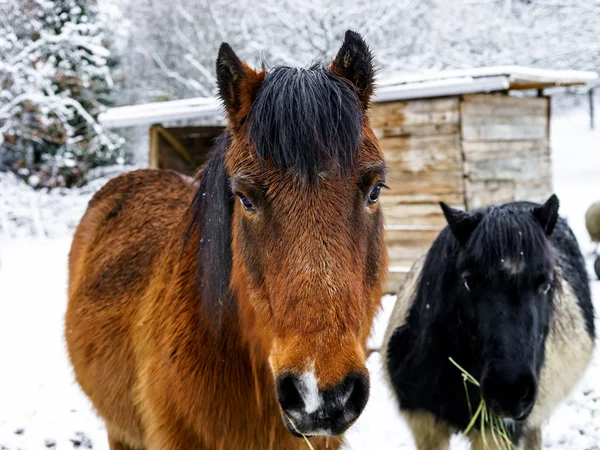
{"x":211,"y":211}
{"x":306,"y":120}
{"x":513,"y":234}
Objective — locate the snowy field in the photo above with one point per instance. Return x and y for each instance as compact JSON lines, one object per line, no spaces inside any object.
{"x":41,"y":406}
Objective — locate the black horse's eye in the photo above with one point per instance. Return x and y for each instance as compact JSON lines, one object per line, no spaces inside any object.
{"x":468,"y":282}
{"x":247,"y":204}
{"x":375,"y":193}
{"x":545,"y":287}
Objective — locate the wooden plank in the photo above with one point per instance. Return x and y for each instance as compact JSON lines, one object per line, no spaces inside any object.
{"x":423,"y":153}
{"x":503,"y":132}
{"x":424,"y":105}
{"x":485,"y":150}
{"x":489,"y":192}
{"x":406,"y":144}
{"x":512,"y":168}
{"x":474,"y":109}
{"x":505,"y":100}
{"x":433,"y":182}
{"x":424,"y":197}
{"x":426,"y":214}
{"x":517,"y":119}
{"x":407,"y":246}
{"x":415,"y":118}
{"x":417,"y":130}
{"x":153,"y":158}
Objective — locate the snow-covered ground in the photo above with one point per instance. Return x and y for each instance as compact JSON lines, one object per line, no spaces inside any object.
{"x":42,"y":407}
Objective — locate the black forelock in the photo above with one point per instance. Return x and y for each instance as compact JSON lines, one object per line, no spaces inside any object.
{"x":509,"y":233}
{"x":306,"y":120}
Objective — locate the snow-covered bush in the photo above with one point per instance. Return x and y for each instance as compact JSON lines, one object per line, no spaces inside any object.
{"x":45,"y":212}
{"x":54,"y":79}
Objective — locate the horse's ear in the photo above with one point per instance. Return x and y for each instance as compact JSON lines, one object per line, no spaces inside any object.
{"x":461,"y":223}
{"x":238,"y":84}
{"x":354,"y":62}
{"x":547,"y":214}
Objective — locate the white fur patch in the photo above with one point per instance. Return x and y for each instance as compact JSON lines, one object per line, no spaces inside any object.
{"x":513,"y":267}
{"x":568,"y":353}
{"x":309,"y":390}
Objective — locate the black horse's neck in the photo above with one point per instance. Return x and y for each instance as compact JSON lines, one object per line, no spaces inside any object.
{"x":438,"y":327}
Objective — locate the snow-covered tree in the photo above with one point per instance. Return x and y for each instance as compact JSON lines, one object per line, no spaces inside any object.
{"x":55,"y":79}
{"x":171,"y":46}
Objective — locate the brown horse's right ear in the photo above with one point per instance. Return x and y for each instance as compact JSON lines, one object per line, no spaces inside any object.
{"x":238,"y":85}
{"x":354,"y":62}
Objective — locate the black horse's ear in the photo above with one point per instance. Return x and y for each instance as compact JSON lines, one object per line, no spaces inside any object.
{"x":547,"y":214}
{"x":238,"y":84}
{"x":354,"y":62}
{"x":461,"y":223}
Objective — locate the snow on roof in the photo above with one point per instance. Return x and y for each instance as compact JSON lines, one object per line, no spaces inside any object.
{"x":516,"y":76}
{"x":403,"y":87}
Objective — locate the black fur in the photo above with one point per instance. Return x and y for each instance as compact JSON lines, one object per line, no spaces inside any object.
{"x":306,"y":121}
{"x":354,"y":62}
{"x":229,"y":71}
{"x":443,"y":321}
{"x":212,"y":208}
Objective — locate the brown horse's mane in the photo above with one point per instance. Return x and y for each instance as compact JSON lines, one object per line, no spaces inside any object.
{"x":303,"y":121}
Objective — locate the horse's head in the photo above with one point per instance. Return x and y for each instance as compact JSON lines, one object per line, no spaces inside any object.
{"x":308,"y":258}
{"x":506,"y":277}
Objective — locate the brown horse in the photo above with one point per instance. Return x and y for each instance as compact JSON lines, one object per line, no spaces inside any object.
{"x":232,"y":312}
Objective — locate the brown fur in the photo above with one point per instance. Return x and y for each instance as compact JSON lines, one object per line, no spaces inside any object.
{"x":153,"y":364}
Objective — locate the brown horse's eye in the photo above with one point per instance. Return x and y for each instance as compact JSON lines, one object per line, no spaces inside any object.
{"x":247,"y":204}
{"x":374,"y":194}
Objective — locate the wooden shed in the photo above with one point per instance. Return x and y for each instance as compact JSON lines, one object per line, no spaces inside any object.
{"x":465,"y":137}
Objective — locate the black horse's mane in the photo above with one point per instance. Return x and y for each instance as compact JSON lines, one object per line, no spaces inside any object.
{"x":303,"y":121}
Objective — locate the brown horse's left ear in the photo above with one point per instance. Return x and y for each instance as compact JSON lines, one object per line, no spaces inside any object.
{"x":547,"y":214}
{"x":354,"y":62}
{"x":238,"y":84}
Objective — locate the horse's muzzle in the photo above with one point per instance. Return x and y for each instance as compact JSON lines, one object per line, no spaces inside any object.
{"x":309,"y":411}
{"x":510,"y":391}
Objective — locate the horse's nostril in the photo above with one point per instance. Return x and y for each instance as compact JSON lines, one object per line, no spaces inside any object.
{"x":357,"y":393}
{"x":288,"y":393}
{"x":309,"y":410}
{"x":510,"y":392}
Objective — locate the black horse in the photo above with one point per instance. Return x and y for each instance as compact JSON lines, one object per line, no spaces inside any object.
{"x":504,"y":292}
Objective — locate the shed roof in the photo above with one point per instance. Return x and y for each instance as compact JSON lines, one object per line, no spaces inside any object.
{"x":403,"y":87}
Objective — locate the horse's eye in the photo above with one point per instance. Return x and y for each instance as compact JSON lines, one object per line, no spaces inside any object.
{"x":375,"y":193}
{"x":545,"y":287}
{"x":468,"y":282}
{"x":247,"y":204}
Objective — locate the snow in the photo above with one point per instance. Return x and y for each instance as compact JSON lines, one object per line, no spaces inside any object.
{"x":404,"y":87}
{"x":41,"y":406}
{"x":523,"y":74}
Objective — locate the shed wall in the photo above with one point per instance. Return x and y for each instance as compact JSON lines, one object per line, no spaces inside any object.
{"x":468,"y":151}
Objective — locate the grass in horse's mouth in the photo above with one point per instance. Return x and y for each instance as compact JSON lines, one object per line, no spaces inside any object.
{"x":487,"y":419}
{"x":299,"y":432}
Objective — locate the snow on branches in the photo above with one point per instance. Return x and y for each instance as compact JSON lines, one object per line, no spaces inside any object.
{"x":54,"y":75}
